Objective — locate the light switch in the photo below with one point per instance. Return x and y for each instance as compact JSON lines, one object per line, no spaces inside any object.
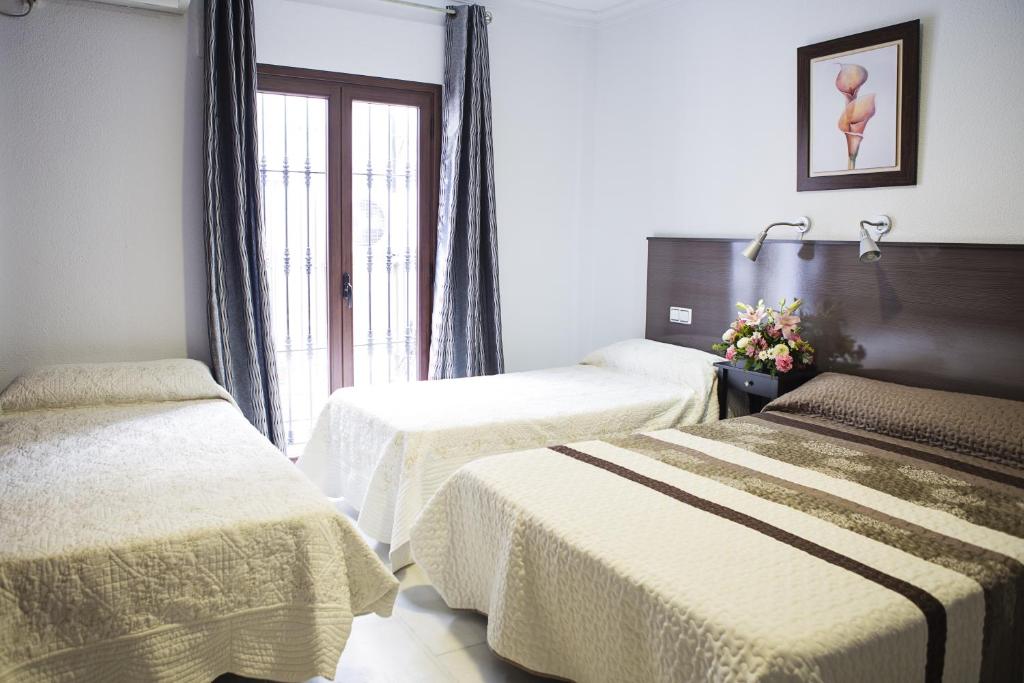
{"x":682,"y":316}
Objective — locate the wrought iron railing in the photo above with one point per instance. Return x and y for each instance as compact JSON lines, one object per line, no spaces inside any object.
{"x":385,"y":228}
{"x":293,"y":178}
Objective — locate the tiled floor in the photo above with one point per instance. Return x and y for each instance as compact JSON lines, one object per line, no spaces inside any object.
{"x":422,"y":641}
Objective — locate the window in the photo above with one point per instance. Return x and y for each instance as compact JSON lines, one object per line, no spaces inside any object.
{"x":385,"y":242}
{"x":293,"y":179}
{"x":349,"y":173}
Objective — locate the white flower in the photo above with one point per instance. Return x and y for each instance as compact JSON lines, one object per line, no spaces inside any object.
{"x":780,"y":350}
{"x":764,"y":355}
{"x":742,"y":342}
{"x":756,"y":335}
{"x":729,"y":335}
{"x":792,"y":344}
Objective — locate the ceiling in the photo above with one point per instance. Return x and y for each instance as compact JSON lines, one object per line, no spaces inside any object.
{"x":589,"y":9}
{"x":595,"y":6}
{"x":584,"y":11}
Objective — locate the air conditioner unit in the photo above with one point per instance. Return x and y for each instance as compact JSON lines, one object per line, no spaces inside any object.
{"x":172,"y":6}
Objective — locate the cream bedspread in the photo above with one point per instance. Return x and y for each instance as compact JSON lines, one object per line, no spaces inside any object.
{"x":768,"y":548}
{"x":166,"y":541}
{"x":387,"y":449}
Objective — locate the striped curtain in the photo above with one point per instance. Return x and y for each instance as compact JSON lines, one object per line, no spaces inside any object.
{"x":466,"y":333}
{"x":239,"y":304}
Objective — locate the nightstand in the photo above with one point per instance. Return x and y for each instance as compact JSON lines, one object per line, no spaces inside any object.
{"x":759,"y":388}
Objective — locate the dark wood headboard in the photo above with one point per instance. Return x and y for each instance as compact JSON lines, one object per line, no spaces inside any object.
{"x":944,"y":316}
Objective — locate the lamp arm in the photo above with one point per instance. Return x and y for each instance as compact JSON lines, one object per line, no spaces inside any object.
{"x":802,"y":225}
{"x":881,"y":225}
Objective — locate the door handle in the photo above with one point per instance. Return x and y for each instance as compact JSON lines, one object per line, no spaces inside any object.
{"x":346,"y":289}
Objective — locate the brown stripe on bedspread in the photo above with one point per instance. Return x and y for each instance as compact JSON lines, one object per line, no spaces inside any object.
{"x":1000,"y":576}
{"x":933,"y":610}
{"x":973,"y":499}
{"x":934,"y":458}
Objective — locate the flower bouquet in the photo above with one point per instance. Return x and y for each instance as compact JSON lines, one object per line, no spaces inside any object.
{"x":763,"y":339}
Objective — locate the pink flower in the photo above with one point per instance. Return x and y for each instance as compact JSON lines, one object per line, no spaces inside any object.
{"x":751,"y":350}
{"x":784,"y":363}
{"x":786,"y":324}
{"x":853,"y":121}
{"x":752,"y":316}
{"x":730,"y":353}
{"x":849,"y":80}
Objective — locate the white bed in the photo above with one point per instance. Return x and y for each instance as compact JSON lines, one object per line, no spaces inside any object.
{"x":834,"y":537}
{"x":149,"y":533}
{"x":387,"y":449}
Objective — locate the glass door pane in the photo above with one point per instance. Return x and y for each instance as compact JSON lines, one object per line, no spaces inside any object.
{"x":385,"y":242}
{"x":293,"y":177}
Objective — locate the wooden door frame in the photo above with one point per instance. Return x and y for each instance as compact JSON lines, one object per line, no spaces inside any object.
{"x":340,"y":90}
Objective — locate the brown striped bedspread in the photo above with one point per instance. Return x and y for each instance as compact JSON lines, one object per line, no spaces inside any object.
{"x":774,"y":547}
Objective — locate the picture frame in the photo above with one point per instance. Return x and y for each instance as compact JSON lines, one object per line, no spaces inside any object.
{"x":858,"y":101}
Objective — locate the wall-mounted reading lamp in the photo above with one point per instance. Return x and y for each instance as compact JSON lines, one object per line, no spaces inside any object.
{"x":869,"y":251}
{"x":802,"y":224}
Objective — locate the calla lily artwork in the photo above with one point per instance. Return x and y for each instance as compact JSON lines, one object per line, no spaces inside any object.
{"x":854,"y":111}
{"x":857,"y":110}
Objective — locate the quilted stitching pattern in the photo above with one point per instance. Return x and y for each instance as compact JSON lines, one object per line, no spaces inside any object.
{"x":990,"y":428}
{"x":389,"y":448}
{"x":64,"y":386}
{"x":590,"y":576}
{"x":169,"y":541}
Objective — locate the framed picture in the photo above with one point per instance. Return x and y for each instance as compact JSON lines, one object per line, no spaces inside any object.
{"x":857,"y":109}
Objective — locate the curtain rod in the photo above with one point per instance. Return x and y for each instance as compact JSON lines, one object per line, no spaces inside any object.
{"x":432,"y":8}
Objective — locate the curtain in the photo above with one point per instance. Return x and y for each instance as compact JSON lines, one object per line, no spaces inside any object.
{"x":466,"y":330}
{"x":239,"y":306}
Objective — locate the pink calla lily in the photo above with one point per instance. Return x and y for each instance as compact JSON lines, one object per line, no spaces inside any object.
{"x":849,"y":80}
{"x":853,"y":121}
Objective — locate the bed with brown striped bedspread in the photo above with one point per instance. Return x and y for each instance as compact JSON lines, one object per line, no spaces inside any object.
{"x":779,"y":546}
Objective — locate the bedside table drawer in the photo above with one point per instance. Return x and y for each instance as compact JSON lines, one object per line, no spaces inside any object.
{"x":759,"y":388}
{"x":755,"y":383}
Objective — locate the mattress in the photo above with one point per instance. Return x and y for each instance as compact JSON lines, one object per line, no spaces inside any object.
{"x":790,"y":545}
{"x":152,"y":534}
{"x":387,"y":449}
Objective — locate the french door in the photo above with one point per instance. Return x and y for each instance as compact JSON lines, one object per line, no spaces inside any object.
{"x":349,"y":172}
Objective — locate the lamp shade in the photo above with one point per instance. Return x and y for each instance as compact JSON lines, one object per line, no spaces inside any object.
{"x":754,"y":248}
{"x":869,"y":251}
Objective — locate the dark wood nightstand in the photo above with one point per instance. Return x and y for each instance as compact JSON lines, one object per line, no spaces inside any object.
{"x":760,"y":388}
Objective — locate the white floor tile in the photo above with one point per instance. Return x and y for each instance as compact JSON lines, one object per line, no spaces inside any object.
{"x":478,"y":664}
{"x":439,"y":628}
{"x":385,"y":651}
{"x":423,"y":642}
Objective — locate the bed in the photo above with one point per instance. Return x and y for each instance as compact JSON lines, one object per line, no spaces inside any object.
{"x":856,"y":530}
{"x":387,"y":449}
{"x":149,"y":533}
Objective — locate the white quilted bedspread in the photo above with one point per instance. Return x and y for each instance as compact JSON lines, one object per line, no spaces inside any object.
{"x":674,"y":557}
{"x":387,"y":449}
{"x":167,"y":541}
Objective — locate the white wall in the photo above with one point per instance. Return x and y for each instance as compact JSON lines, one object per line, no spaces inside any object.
{"x":541,"y":93}
{"x":696,"y":131}
{"x":674,"y":119}
{"x":100,"y":186}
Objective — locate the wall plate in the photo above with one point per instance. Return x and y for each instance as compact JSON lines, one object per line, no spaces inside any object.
{"x":681,"y":316}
